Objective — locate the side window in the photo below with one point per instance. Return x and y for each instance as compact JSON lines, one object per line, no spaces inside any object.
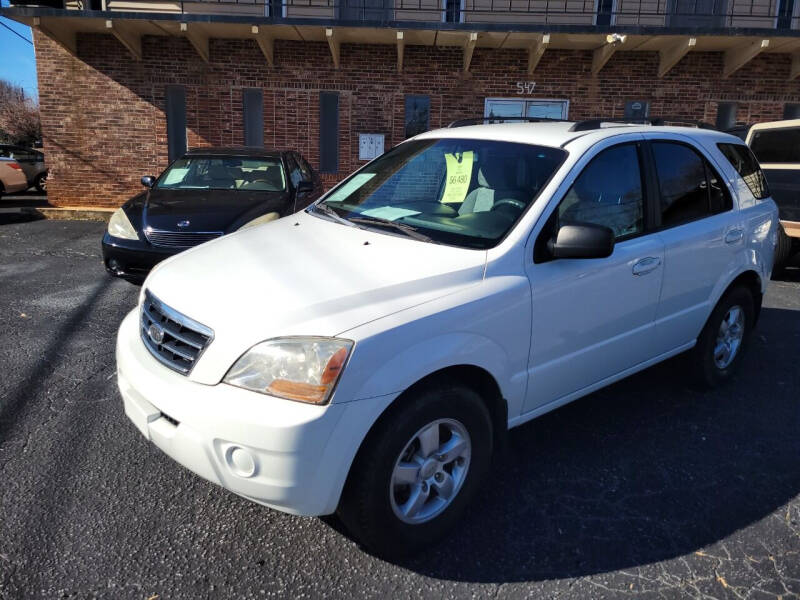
{"x":776,"y":145}
{"x":608,"y":192}
{"x":689,"y":188}
{"x":295,"y":175}
{"x":747,"y":166}
{"x":305,"y":170}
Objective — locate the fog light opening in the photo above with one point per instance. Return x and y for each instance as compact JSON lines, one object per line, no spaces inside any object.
{"x":240,"y":461}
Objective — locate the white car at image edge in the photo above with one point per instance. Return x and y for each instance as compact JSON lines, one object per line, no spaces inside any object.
{"x":367,"y":356}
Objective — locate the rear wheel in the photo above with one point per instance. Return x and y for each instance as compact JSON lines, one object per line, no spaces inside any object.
{"x":41,"y":183}
{"x":417,"y":470}
{"x":723,"y":340}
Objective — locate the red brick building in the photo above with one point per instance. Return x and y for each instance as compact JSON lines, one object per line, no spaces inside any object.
{"x":125,"y":84}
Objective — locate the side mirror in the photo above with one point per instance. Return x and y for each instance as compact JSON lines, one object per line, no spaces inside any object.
{"x":304,"y":187}
{"x":582,"y":240}
{"x":148,"y":181}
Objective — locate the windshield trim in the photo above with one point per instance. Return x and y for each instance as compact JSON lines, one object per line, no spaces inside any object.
{"x":557,"y":169}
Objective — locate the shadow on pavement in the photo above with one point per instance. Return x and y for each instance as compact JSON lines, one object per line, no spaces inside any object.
{"x":642,"y":471}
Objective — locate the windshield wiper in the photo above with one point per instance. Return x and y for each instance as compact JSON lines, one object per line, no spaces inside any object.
{"x":408,"y":230}
{"x":327,"y":210}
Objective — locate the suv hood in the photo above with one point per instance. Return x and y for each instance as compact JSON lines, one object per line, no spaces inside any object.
{"x":303,"y":275}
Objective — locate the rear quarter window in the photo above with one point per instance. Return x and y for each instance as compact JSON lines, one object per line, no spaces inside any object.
{"x":748,"y":168}
{"x":776,"y":145}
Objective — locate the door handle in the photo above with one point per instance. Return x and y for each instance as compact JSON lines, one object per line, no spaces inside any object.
{"x":734,"y":236}
{"x":645,"y":265}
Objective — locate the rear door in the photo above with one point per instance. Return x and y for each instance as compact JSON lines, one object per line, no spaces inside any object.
{"x":594,"y":318}
{"x":700,"y":231}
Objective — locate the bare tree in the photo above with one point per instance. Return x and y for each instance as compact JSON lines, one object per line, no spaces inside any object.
{"x":19,"y":115}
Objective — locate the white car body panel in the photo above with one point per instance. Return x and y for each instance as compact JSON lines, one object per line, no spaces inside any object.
{"x":545,"y":333}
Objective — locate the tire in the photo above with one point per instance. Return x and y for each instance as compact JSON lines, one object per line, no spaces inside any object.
{"x":374,"y":499}
{"x":711,"y":366}
{"x":40,"y":183}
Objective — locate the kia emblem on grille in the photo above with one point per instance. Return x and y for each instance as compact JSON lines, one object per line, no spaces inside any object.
{"x":183,"y":223}
{"x":155,"y":333}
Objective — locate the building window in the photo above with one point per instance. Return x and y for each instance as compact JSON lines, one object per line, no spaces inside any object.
{"x":451,"y":11}
{"x":785,"y":14}
{"x":726,"y":115}
{"x":176,"y":121}
{"x":637,"y":109}
{"x":604,"y":12}
{"x":329,"y":132}
{"x":697,"y":13}
{"x":791,"y":111}
{"x":418,"y":115}
{"x":253,"y":117}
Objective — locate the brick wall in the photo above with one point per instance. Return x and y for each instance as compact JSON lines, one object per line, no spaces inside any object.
{"x":104,"y":125}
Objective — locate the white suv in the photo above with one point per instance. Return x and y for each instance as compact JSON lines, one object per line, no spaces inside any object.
{"x":367,"y":356}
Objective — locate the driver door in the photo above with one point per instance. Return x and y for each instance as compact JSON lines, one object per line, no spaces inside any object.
{"x":595,"y":318}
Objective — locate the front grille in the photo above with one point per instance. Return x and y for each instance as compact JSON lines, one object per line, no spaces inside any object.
{"x":174,"y":339}
{"x":179,"y":239}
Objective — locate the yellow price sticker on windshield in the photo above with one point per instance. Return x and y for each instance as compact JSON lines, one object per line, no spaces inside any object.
{"x":459,"y":175}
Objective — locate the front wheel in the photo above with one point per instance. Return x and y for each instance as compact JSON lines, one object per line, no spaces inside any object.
{"x":417,"y":470}
{"x":722,"y":342}
{"x":41,"y":183}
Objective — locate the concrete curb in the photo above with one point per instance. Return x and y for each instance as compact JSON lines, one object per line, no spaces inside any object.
{"x":68,"y":213}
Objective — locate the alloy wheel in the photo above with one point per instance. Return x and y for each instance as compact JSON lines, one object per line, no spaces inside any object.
{"x":729,"y":337}
{"x":430,"y":471}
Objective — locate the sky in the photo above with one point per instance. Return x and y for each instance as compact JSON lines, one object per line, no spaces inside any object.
{"x":17,"y":60}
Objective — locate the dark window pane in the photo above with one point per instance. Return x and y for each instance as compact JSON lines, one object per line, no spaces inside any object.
{"x":418,"y":111}
{"x":726,"y":115}
{"x":747,"y":166}
{"x":718,"y":193}
{"x":176,"y":121}
{"x":452,"y":11}
{"x":637,"y":109}
{"x":607,"y":192}
{"x":329,"y":132}
{"x":682,"y":182}
{"x":776,"y":145}
{"x":791,"y":111}
{"x":253,"y":113}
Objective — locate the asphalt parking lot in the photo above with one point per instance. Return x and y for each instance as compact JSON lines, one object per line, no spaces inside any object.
{"x":646,"y":488}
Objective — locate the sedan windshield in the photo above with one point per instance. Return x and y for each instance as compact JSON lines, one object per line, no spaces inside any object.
{"x":224,"y":173}
{"x":467,"y":193}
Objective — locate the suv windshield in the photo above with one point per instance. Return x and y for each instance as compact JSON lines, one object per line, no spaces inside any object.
{"x":227,"y":173}
{"x":467,"y":193}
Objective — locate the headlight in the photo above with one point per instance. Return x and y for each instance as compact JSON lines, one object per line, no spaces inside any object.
{"x":120,"y":227}
{"x":305,"y":369}
{"x":261,"y":220}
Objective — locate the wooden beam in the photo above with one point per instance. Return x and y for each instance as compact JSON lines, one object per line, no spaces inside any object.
{"x":536,"y":50}
{"x":401,"y":46}
{"x":333,"y":44}
{"x":736,"y":58}
{"x":132,"y":41}
{"x":197,"y":38}
{"x":795,"y":71}
{"x":672,"y":55}
{"x":469,"y":48}
{"x":602,"y":54}
{"x":65,"y":40}
{"x":266,"y":43}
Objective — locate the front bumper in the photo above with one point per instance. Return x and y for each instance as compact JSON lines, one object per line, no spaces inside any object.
{"x":290,"y":456}
{"x":132,"y":259}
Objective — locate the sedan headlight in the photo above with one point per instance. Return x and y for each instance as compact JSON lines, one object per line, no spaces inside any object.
{"x":120,"y":227}
{"x":305,"y":369}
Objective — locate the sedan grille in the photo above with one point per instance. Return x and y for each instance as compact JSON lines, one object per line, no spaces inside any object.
{"x":174,"y":339}
{"x":179,"y":239}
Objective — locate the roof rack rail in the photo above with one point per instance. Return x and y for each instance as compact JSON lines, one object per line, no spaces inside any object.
{"x":590,"y":124}
{"x":482,"y":120}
